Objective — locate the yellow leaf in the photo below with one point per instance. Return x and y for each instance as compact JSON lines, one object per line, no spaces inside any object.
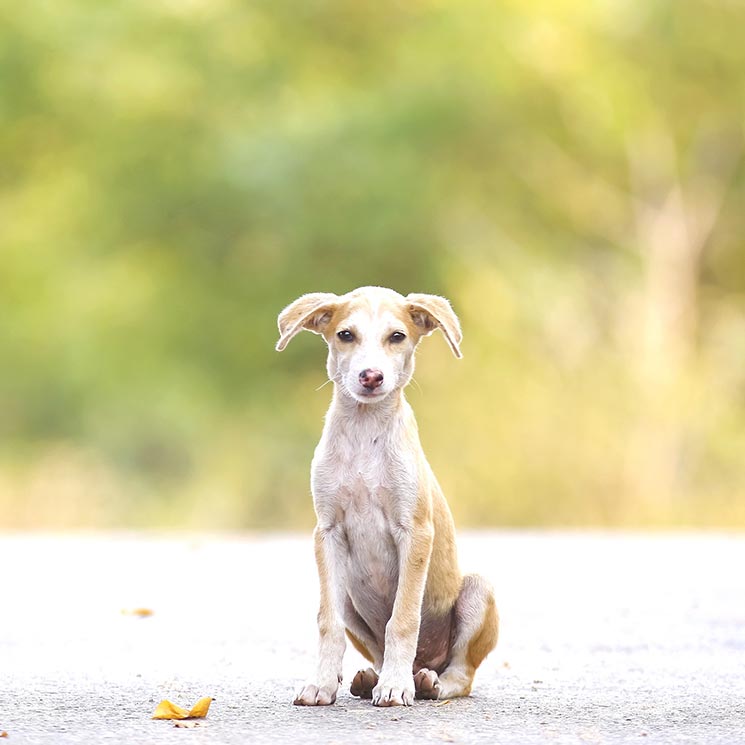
{"x":167,"y":710}
{"x":200,"y":709}
{"x":3,"y":734}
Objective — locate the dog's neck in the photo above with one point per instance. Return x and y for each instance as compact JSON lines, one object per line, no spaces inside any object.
{"x":357,"y":424}
{"x":390,"y":407}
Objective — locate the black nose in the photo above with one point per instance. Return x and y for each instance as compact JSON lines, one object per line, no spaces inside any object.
{"x":371,"y":379}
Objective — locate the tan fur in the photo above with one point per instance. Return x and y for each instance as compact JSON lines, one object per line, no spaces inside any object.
{"x":359,"y":646}
{"x":385,"y":539}
{"x":485,"y":638}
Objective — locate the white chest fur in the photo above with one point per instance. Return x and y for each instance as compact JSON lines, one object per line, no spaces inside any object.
{"x":365,"y":484}
{"x":365,"y":468}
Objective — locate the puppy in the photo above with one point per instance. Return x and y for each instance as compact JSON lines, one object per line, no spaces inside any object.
{"x":384,"y":540}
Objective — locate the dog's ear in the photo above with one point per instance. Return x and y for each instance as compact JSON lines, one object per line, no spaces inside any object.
{"x":311,"y":312}
{"x":430,"y":312}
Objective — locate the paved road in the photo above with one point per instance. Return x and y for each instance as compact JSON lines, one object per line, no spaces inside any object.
{"x":606,"y":638}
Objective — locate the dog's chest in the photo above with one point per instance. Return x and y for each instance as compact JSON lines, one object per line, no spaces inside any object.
{"x":365,"y":510}
{"x":363,"y":479}
{"x":364,"y":488}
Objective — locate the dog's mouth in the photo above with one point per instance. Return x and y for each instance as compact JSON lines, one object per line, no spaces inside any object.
{"x":377,"y":393}
{"x":363,"y":395}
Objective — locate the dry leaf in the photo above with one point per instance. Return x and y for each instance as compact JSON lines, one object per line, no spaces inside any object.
{"x":200,"y":709}
{"x":139,"y":612}
{"x":442,"y":703}
{"x":3,"y":734}
{"x":167,"y":710}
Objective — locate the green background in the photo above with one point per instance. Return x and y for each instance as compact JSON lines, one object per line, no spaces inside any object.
{"x":569,"y":173}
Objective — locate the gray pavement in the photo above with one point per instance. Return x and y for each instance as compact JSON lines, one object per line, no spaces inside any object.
{"x":606,"y":638}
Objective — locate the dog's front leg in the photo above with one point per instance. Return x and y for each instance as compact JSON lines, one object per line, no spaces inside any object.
{"x":331,"y":641}
{"x":396,"y":683}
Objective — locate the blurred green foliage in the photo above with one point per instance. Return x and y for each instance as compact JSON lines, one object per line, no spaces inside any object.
{"x":569,"y":173}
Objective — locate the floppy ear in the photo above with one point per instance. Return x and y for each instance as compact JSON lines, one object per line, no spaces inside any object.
{"x":312,"y":312}
{"x":429,"y":312}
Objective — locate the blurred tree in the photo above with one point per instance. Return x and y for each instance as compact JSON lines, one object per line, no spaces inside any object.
{"x":173,"y":173}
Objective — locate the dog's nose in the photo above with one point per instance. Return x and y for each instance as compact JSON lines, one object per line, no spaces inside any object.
{"x":371,"y":379}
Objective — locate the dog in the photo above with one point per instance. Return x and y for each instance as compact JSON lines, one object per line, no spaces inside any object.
{"x":385,"y":539}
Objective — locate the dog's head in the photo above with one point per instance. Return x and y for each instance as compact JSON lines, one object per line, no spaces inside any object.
{"x":371,"y":333}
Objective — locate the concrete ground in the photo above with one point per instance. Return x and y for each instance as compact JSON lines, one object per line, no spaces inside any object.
{"x":606,"y":638}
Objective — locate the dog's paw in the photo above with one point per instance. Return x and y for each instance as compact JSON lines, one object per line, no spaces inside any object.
{"x":427,"y":684}
{"x":363,"y":683}
{"x":313,"y":695}
{"x":394,"y":692}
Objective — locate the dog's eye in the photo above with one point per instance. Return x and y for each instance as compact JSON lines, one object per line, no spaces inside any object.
{"x":396,"y":337}
{"x":345,"y":335}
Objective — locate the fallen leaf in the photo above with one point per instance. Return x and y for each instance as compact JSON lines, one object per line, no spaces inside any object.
{"x":442,"y":703}
{"x":139,"y":612}
{"x":3,"y":734}
{"x":200,"y":709}
{"x":167,"y":710}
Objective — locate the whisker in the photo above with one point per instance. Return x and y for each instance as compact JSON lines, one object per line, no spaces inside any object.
{"x":325,"y":383}
{"x":415,"y":382}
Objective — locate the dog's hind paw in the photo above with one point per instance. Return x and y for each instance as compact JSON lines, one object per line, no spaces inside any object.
{"x":427,"y":684}
{"x":363,"y":683}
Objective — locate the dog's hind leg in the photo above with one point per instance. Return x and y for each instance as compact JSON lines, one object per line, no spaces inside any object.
{"x":476,"y":632}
